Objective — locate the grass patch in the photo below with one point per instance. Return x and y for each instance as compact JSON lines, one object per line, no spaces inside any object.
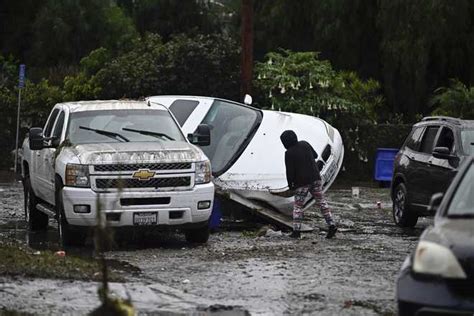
{"x":249,"y":233}
{"x":7,"y":312}
{"x":18,"y":260}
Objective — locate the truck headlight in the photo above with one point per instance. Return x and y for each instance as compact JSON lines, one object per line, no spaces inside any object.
{"x":431,"y":258}
{"x":77,"y":176}
{"x":203,"y":172}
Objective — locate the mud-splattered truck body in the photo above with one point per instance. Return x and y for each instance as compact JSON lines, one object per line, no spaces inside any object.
{"x":125,"y":160}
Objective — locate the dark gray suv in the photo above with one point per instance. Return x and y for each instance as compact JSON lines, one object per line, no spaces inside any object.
{"x":427,"y":163}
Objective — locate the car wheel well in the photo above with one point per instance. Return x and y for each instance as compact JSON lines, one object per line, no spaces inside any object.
{"x":58,"y":182}
{"x":26,"y":168}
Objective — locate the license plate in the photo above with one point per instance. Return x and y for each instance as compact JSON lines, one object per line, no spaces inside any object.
{"x":330,"y":171}
{"x":145,"y":218}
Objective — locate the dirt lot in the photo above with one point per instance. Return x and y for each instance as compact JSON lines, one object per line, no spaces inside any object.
{"x":238,"y":272}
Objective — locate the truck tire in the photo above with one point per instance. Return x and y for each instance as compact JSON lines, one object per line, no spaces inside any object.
{"x":402,"y":215}
{"x":37,"y":220}
{"x":198,"y":235}
{"x":68,"y":234}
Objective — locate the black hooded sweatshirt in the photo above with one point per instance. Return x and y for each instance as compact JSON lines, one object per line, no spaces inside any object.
{"x":301,"y":168}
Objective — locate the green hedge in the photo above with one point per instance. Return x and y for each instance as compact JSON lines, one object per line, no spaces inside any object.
{"x":361,"y":145}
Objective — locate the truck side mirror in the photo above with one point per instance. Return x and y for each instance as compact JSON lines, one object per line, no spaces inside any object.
{"x":36,"y":138}
{"x":202,"y":136}
{"x":435,"y":202}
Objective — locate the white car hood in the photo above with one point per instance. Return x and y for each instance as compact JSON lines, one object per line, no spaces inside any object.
{"x":137,"y":152}
{"x":262,"y":164}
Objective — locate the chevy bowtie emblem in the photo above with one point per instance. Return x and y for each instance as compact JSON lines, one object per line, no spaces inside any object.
{"x":143,"y":174}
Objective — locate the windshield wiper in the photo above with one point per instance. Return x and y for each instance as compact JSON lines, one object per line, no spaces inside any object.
{"x":463,"y":215}
{"x":105,"y":133}
{"x":148,"y":133}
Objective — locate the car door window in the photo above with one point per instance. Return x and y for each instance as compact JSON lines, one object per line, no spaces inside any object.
{"x":415,"y":138}
{"x":428,"y":139}
{"x":49,"y":125}
{"x":58,"y":128}
{"x":446,"y":139}
{"x":182,"y":109}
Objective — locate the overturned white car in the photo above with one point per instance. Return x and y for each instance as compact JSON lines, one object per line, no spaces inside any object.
{"x":246,"y":154}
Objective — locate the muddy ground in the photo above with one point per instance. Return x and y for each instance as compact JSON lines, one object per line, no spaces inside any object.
{"x":238,"y":272}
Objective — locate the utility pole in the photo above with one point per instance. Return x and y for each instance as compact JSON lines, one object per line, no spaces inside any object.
{"x":21,"y":84}
{"x":246,"y":30}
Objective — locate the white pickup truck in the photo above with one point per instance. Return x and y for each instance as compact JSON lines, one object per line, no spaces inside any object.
{"x":127,"y":161}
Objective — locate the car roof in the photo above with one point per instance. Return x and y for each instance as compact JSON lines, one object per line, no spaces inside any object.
{"x":198,"y":97}
{"x":447,"y":120}
{"x":97,"y":105}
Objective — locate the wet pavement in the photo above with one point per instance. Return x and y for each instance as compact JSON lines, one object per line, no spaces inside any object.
{"x":237,"y":272}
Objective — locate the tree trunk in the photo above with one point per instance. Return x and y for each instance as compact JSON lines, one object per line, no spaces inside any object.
{"x":247,"y":47}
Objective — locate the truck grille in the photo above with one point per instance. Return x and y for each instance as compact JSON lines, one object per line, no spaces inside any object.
{"x":135,"y":183}
{"x":149,"y":166}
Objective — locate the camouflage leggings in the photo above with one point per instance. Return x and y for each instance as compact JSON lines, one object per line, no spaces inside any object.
{"x":315,"y":189}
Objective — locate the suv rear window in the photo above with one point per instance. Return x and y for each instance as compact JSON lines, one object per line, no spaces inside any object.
{"x":428,"y":139}
{"x":413,"y":141}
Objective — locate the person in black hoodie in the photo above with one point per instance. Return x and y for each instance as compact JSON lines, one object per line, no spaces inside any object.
{"x":303,"y":176}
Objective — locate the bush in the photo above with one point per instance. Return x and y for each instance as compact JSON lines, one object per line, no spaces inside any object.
{"x":204,"y":65}
{"x":457,"y":100}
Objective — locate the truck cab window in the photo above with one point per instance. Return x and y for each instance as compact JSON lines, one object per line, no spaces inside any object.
{"x":58,"y":128}
{"x":50,"y":123}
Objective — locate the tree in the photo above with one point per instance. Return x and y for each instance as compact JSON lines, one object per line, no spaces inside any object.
{"x":200,"y":65}
{"x":301,"y":82}
{"x":457,"y":100}
{"x":66,"y":31}
{"x":171,"y":17}
{"x":422,"y":44}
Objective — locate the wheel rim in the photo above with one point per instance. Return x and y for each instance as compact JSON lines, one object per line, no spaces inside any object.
{"x":400,"y":199}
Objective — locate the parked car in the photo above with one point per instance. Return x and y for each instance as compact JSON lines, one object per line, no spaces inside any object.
{"x":427,"y":163}
{"x":246,"y":153}
{"x":438,"y":278}
{"x":129,"y":157}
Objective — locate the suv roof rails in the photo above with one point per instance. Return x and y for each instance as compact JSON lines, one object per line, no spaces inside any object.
{"x":442,"y":118}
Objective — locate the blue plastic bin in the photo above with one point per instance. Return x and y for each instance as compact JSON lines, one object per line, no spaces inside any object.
{"x":216,"y":214}
{"x":384,"y":163}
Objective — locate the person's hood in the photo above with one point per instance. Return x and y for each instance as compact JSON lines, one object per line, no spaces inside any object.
{"x":289,"y":138}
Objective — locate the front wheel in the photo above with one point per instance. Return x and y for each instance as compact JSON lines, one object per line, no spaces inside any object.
{"x":402,"y":215}
{"x":198,"y":235}
{"x":37,"y":220}
{"x":69,"y":235}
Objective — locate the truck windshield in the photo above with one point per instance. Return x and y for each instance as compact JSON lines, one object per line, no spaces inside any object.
{"x":467,"y":137}
{"x":91,"y":127}
{"x":232,"y":127}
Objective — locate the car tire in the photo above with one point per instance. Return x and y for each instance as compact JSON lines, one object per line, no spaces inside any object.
{"x":37,"y":220}
{"x":69,"y":235}
{"x":402,"y":215}
{"x":405,"y":309}
{"x":198,"y":236}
